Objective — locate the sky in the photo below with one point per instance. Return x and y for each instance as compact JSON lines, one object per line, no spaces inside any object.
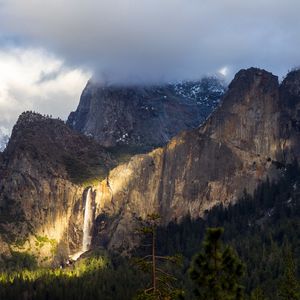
{"x":50,"y":48}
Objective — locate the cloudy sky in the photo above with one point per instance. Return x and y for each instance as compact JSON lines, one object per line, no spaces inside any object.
{"x":49,"y":48}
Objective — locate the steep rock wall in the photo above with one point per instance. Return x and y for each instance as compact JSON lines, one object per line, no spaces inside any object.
{"x":41,"y":193}
{"x":144,"y":116}
{"x":238,"y":146}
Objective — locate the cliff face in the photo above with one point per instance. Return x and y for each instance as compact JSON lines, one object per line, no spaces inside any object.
{"x":290,"y":121}
{"x":144,"y":116}
{"x":46,"y":167}
{"x":238,"y":146}
{"x":42,"y":185}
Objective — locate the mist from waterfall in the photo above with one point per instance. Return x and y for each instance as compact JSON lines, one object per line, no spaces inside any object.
{"x":87,"y":223}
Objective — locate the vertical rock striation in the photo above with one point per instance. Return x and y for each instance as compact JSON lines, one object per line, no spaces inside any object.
{"x":241,"y":144}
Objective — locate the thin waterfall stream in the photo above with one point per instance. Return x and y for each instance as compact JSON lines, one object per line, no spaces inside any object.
{"x":87,"y":225}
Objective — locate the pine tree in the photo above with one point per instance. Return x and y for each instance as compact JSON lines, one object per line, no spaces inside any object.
{"x":216,"y":270}
{"x":257,"y":294}
{"x":162,"y":282}
{"x":289,"y":288}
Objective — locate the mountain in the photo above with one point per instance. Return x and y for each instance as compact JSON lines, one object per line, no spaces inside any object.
{"x":43,"y":172}
{"x":235,"y":149}
{"x":48,"y":170}
{"x":144,"y":116}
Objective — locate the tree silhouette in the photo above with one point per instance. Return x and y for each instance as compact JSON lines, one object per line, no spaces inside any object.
{"x":216,"y":270}
{"x":289,"y":286}
{"x":162,"y":282}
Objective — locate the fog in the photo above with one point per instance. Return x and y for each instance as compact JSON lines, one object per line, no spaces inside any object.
{"x":156,"y":40}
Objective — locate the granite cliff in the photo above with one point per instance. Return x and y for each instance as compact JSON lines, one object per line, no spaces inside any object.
{"x":44,"y":171}
{"x":144,"y":116}
{"x":252,"y":135}
{"x":47,"y":167}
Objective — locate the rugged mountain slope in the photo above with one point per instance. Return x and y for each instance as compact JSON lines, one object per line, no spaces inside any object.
{"x":290,"y":121}
{"x":45,"y":166}
{"x":249,"y":137}
{"x":43,"y":172}
{"x":144,"y":116}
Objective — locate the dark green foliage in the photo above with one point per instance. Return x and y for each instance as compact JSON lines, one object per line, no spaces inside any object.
{"x":216,"y":270}
{"x":123,"y":153}
{"x":85,"y":170}
{"x":91,"y":278}
{"x":162,"y":283}
{"x":258,"y":227}
{"x":289,"y":288}
{"x":258,"y":294}
{"x":91,"y":165}
{"x":18,"y":261}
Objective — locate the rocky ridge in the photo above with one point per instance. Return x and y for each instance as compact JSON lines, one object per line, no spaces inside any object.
{"x":252,"y":135}
{"x":44,"y":171}
{"x":144,"y":116}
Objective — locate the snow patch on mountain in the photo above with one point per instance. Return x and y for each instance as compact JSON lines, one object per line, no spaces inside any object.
{"x":207,"y":91}
{"x":4,"y":138}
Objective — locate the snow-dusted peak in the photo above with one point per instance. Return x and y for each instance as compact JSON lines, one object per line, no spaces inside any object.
{"x":4,"y":138}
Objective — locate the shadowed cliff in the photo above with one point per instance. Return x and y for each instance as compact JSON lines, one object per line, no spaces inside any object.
{"x":144,"y":116}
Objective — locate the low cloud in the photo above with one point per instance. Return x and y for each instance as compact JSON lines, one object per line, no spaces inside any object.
{"x":146,"y":40}
{"x":121,"y":41}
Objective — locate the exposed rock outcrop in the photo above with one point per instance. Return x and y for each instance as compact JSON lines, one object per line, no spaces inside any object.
{"x":238,"y":146}
{"x":290,"y":121}
{"x":144,"y":116}
{"x":43,"y":172}
{"x":44,"y":169}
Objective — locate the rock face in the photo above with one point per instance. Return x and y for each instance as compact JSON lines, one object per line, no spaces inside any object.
{"x":144,"y":117}
{"x":247,"y":139}
{"x":46,"y":167}
{"x":290,"y":122}
{"x":42,"y":192}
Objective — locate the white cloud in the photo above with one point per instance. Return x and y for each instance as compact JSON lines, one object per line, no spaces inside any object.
{"x":137,"y":40}
{"x":159,"y":39}
{"x":24,"y":85}
{"x":224,"y":71}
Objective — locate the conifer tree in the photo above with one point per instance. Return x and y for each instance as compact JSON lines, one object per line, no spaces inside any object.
{"x":258,"y":294}
{"x":216,"y":270}
{"x":289,"y":288}
{"x":162,"y":282}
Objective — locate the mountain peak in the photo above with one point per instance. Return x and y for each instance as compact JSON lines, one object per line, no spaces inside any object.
{"x":30,"y":116}
{"x":249,"y":78}
{"x":247,"y":138}
{"x":248,"y":116}
{"x":144,"y":116}
{"x":290,"y":88}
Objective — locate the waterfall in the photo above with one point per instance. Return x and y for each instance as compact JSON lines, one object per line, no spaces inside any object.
{"x":87,"y":223}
